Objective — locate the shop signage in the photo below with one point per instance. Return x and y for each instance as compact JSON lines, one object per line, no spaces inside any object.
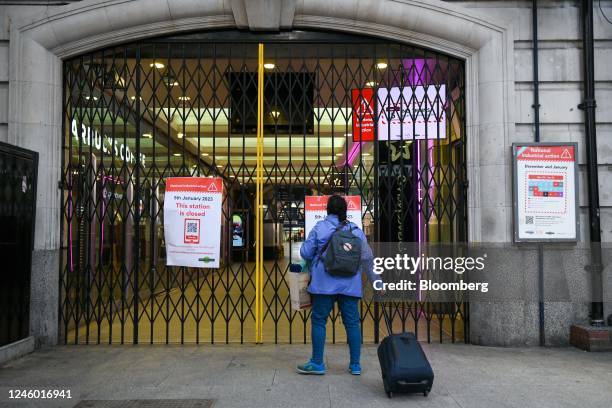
{"x":91,"y":137}
{"x":316,"y":210}
{"x":409,"y":113}
{"x":363,"y":114}
{"x":545,"y":200}
{"x":192,"y":221}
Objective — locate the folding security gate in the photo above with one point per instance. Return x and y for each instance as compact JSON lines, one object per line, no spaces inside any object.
{"x":278,"y":117}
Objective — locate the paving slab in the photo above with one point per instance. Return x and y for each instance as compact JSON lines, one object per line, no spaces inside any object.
{"x":264,"y":376}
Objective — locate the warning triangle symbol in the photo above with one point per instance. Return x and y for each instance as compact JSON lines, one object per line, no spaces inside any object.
{"x":566,"y":154}
{"x":351,"y":205}
{"x":213,"y":187}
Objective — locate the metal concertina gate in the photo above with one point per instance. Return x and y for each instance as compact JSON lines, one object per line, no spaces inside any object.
{"x":278,"y":117}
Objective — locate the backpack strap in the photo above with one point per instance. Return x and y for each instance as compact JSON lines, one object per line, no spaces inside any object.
{"x":340,"y":226}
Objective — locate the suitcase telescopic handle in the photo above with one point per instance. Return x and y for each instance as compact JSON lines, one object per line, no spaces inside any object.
{"x":387,"y":320}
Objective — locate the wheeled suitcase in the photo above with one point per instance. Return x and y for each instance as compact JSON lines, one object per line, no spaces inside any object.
{"x":403,"y":363}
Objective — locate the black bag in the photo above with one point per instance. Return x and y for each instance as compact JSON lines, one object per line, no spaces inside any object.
{"x":403,"y":363}
{"x":342,"y":252}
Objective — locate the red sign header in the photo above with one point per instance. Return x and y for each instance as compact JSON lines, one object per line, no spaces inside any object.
{"x":319,"y":203}
{"x":195,"y":184}
{"x":546,"y":153}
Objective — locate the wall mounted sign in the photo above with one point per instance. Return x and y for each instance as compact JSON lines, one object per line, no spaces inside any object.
{"x":91,"y":137}
{"x":316,"y":210}
{"x":363,"y":114}
{"x":412,"y":113}
{"x":545,"y":199}
{"x":192,"y":221}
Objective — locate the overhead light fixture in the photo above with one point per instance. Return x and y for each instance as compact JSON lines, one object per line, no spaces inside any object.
{"x":204,"y":154}
{"x":147,"y":135}
{"x":180,"y":135}
{"x":176,"y":154}
{"x":175,"y":83}
{"x":157,"y":64}
{"x":371,"y":84}
{"x":275,"y":114}
{"x":348,"y":134}
{"x":339,"y":154}
{"x":94,"y":98}
{"x":184,"y":98}
{"x":219,"y":165}
{"x":365,"y":154}
{"x":381,"y":65}
{"x":134,"y":98}
{"x":269,"y":65}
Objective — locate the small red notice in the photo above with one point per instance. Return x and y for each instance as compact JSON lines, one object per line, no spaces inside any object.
{"x":363,"y":114}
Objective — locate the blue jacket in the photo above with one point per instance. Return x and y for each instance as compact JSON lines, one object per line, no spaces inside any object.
{"x":321,"y":282}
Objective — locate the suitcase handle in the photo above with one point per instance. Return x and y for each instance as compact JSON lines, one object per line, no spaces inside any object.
{"x":387,"y":320}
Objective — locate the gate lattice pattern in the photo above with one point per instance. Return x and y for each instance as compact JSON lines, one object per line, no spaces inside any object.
{"x":187,"y":106}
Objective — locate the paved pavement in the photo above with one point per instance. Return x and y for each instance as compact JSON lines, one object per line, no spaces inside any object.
{"x":263,"y":376}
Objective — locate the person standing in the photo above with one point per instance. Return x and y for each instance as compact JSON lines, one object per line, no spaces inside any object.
{"x":327,"y":289}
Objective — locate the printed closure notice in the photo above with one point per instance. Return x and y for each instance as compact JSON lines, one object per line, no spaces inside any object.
{"x":545,"y":188}
{"x":192,"y":204}
{"x":316,"y":210}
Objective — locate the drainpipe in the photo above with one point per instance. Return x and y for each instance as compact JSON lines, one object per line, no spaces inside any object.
{"x":536,"y":120}
{"x":588,"y":105}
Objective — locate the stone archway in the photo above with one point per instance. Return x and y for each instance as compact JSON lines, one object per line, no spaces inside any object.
{"x":39,"y":44}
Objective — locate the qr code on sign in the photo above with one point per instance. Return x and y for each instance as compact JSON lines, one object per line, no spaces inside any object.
{"x":529,"y":219}
{"x":192,"y":231}
{"x":192,"y":227}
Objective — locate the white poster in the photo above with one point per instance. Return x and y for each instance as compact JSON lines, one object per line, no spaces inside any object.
{"x":192,"y":221}
{"x":412,"y":113}
{"x":316,"y":210}
{"x":545,"y":192}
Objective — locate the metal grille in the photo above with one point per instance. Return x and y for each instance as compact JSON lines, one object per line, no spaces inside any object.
{"x":187,"y":106}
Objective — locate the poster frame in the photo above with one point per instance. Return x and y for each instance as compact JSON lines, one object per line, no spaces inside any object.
{"x":515,"y":210}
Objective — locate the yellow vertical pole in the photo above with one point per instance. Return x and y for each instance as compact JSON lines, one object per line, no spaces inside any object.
{"x":259,"y":202}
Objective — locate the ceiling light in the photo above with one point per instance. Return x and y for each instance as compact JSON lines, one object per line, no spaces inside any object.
{"x":157,"y":64}
{"x":339,"y":154}
{"x":95,"y":98}
{"x":184,"y":98}
{"x":204,"y":154}
{"x":134,"y":98}
{"x":269,"y":65}
{"x":180,"y":135}
{"x":147,"y":135}
{"x":219,"y":165}
{"x":381,"y":65}
{"x":175,"y":83}
{"x":176,"y":154}
{"x":371,"y":84}
{"x":275,"y":114}
{"x":348,"y":134}
{"x":366,"y":154}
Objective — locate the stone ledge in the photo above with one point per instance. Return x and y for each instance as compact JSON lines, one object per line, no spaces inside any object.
{"x":17,"y":349}
{"x":591,"y":338}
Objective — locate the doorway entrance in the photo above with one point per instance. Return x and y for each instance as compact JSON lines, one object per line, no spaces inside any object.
{"x":279,"y":117}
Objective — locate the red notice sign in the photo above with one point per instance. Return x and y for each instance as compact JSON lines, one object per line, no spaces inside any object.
{"x":363,"y":114}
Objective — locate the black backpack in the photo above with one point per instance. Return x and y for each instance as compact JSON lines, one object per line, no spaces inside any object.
{"x":342,"y":252}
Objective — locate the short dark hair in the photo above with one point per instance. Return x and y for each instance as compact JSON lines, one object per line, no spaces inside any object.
{"x":337,"y":205}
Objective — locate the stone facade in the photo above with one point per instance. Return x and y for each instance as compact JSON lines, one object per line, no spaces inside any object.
{"x":494,"y":37}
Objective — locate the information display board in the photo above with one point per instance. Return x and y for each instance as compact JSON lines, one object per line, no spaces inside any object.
{"x":545,"y":198}
{"x":411,"y":113}
{"x":192,"y":221}
{"x":316,"y":210}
